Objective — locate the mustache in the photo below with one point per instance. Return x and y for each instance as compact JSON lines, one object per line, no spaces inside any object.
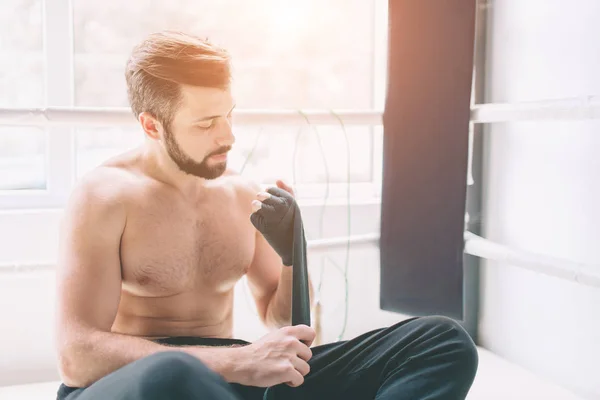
{"x":220,"y":150}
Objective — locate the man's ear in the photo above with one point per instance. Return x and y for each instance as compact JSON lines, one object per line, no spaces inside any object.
{"x":150,"y":125}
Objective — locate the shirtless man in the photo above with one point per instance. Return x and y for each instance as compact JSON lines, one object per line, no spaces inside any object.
{"x":154,"y":241}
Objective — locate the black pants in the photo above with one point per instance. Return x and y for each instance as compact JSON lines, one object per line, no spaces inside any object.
{"x":417,"y":359}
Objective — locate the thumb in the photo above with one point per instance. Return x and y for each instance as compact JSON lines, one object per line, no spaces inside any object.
{"x":282,"y":185}
{"x":257,"y":220}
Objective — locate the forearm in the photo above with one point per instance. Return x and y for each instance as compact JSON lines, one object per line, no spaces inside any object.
{"x":279,"y":309}
{"x":100,"y":353}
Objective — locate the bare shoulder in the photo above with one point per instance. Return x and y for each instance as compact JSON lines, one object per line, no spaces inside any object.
{"x":111,"y":182}
{"x":245,"y":188}
{"x":94,"y":217}
{"x":106,"y":188}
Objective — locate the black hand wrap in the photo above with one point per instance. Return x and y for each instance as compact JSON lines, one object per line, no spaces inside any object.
{"x":275,"y":220}
{"x":280,"y":222}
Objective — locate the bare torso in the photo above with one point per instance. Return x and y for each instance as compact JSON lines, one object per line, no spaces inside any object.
{"x":181,"y":256}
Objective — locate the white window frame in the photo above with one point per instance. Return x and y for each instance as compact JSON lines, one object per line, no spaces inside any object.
{"x":60,"y":123}
{"x":61,"y":146}
{"x":59,"y":89}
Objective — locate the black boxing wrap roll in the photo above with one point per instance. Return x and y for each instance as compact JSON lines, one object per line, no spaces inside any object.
{"x":279,"y":220}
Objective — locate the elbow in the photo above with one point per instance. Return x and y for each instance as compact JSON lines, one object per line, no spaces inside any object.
{"x":72,"y":365}
{"x":68,"y":371}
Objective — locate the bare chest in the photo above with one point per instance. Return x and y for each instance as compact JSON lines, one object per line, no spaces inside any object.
{"x":169,"y":250}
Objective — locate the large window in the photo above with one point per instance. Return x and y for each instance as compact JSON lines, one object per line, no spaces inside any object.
{"x":22,"y":150}
{"x":309,"y":55}
{"x":21,"y":53}
{"x":286,"y":54}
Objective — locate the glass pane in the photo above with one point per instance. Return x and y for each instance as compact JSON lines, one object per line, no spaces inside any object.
{"x":22,"y":158}
{"x":305,"y":54}
{"x":96,"y":145}
{"x":264,"y":154}
{"x":21,"y":53}
{"x":304,"y":155}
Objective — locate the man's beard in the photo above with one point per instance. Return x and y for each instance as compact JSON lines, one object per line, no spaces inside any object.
{"x":191,"y":167}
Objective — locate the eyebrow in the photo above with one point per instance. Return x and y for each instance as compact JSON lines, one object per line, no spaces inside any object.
{"x":213,"y":116}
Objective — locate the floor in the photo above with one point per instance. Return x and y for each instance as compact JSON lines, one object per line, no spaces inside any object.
{"x":496,"y":380}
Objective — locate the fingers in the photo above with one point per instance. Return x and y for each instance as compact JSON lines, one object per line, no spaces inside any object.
{"x":279,"y":193}
{"x":257,"y":220}
{"x":282,"y":185}
{"x":296,"y":378}
{"x":262,"y":196}
{"x":303,"y":351}
{"x":303,"y":333}
{"x":309,"y":343}
{"x":301,"y":366}
{"x":270,"y":199}
{"x":258,"y":206}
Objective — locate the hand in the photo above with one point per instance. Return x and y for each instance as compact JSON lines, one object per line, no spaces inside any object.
{"x":278,"y":357}
{"x":273,"y":216}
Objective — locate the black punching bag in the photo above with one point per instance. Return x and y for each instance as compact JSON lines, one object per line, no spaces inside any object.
{"x":426,"y":124}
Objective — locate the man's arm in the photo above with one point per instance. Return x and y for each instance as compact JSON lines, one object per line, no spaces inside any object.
{"x":271,"y":282}
{"x":89,"y":287}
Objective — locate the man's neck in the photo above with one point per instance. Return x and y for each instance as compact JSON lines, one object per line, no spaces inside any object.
{"x":163,"y":168}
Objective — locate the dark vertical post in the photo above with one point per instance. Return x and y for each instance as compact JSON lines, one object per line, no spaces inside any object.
{"x":426,"y":126}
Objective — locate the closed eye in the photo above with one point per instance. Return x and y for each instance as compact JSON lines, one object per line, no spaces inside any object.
{"x":208,"y":123}
{"x":206,"y":126}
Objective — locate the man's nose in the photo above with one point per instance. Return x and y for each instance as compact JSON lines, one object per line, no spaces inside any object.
{"x":225,"y":135}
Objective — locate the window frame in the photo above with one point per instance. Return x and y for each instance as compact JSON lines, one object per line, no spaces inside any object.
{"x":61,"y":149}
{"x":59,"y":87}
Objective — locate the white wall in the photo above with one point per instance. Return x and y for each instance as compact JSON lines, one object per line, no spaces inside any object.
{"x":27,"y":299}
{"x":541,"y":196}
{"x":542,"y":190}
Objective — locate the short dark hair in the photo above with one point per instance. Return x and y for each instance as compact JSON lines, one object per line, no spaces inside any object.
{"x":164,"y":61}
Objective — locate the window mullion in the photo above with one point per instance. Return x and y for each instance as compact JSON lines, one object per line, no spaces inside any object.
{"x":379,"y":86}
{"x":59,"y":85}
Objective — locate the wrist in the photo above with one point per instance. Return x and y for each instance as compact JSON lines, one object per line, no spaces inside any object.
{"x":240,"y":366}
{"x":225,"y":361}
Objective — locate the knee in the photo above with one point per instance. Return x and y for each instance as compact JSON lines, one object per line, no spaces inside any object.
{"x":172,"y":372}
{"x":440,"y":323}
{"x":443,"y":337}
{"x":456,"y":342}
